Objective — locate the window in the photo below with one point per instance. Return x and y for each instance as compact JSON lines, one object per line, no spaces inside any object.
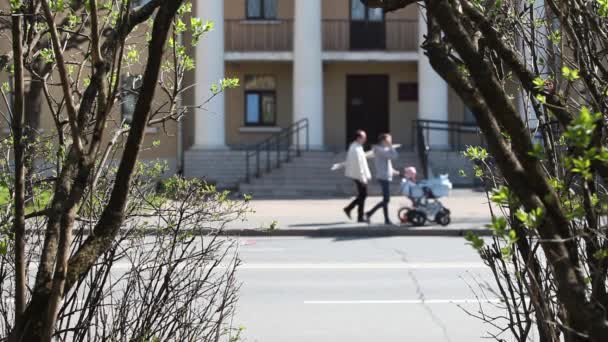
{"x":360,"y":12}
{"x":138,"y":3}
{"x":129,"y":91}
{"x":407,"y":91}
{"x":260,"y":101}
{"x":261,"y":9}
{"x":468,"y":116}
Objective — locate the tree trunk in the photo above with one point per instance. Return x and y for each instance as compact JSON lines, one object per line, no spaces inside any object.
{"x":18,"y":146}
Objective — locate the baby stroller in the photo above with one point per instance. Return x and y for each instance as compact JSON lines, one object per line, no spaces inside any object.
{"x":425,"y":196}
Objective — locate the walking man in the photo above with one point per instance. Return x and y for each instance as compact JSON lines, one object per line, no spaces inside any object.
{"x":356,"y":168}
{"x":384,"y":153}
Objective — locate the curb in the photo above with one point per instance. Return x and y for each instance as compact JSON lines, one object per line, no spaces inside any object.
{"x":362,"y":232}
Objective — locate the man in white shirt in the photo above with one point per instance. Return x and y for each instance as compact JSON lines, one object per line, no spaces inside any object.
{"x":356,"y":168}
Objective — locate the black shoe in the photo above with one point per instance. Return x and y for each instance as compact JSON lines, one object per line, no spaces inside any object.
{"x":388,"y":223}
{"x":367,"y":218}
{"x":347,"y":212}
{"x":362,"y":220}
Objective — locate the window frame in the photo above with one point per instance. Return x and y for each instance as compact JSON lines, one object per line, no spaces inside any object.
{"x":261,"y":122}
{"x":262,"y":15}
{"x":366,"y":17}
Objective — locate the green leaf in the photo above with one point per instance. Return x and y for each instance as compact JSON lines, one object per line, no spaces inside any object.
{"x":15,"y":4}
{"x":555,"y":37}
{"x":498,"y":226}
{"x":537,"y":152}
{"x":539,"y":83}
{"x":47,"y":55}
{"x":580,"y":131}
{"x":541,"y":98}
{"x":3,"y":247}
{"x":570,"y":74}
{"x":501,"y":196}
{"x":476,"y":153}
{"x":180,"y":26}
{"x":602,"y":8}
{"x":531,"y":219}
{"x":474,"y":240}
{"x":601,"y":254}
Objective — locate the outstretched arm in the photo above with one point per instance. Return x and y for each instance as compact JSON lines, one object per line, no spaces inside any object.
{"x":386,"y":152}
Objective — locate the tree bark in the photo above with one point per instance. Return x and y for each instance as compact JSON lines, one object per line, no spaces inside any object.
{"x":18,"y":147}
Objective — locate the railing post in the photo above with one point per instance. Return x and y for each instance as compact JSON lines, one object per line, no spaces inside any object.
{"x":307,"y":136}
{"x":298,"y":140}
{"x":287,"y":137}
{"x":267,"y":157}
{"x":459,"y":139}
{"x":247,"y":167}
{"x":257,"y":162}
{"x":278,"y":139}
{"x":414,"y":124}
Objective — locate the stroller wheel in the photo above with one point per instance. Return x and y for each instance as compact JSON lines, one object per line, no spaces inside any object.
{"x":443,"y":218}
{"x":417,"y":218}
{"x":403,"y":214}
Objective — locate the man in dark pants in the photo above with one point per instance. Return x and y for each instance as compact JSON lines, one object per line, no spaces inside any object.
{"x":384,"y":153}
{"x":356,"y":168}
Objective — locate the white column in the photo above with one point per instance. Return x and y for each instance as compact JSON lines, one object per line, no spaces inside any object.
{"x":210,"y":122}
{"x":308,"y":70}
{"x":526,"y":110}
{"x":432,"y":91}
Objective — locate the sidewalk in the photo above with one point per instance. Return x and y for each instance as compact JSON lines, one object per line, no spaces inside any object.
{"x":324,"y":217}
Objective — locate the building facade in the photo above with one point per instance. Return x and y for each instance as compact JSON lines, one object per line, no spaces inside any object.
{"x":335,"y":63}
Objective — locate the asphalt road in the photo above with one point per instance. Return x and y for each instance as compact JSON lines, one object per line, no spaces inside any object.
{"x":361,"y":289}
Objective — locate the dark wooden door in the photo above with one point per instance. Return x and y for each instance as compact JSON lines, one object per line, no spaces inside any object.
{"x":367,"y":106}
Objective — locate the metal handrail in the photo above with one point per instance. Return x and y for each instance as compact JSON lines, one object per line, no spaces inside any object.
{"x":285,"y":138}
{"x":454,"y":129}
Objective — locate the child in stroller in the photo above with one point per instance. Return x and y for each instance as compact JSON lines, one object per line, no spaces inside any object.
{"x":424,"y":196}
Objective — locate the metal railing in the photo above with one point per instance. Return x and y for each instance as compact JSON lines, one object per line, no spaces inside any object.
{"x":258,"y":35}
{"x":277,"y":35}
{"x":400,"y":35}
{"x":459,"y":135}
{"x":282,"y":145}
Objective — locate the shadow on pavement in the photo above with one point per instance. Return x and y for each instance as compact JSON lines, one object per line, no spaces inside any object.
{"x":317,"y":224}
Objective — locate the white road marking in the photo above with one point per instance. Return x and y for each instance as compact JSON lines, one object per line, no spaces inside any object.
{"x":405,"y":301}
{"x":339,"y":266}
{"x":363,"y":266}
{"x":326,"y":266}
{"x":250,"y":249}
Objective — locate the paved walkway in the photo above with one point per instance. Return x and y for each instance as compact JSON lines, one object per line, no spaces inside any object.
{"x":309,"y":216}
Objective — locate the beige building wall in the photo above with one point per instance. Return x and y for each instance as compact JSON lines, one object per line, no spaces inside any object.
{"x":235,"y":100}
{"x":401,"y":113}
{"x":166,"y":134}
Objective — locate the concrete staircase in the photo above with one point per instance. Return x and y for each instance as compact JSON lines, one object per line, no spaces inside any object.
{"x":310,"y":176}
